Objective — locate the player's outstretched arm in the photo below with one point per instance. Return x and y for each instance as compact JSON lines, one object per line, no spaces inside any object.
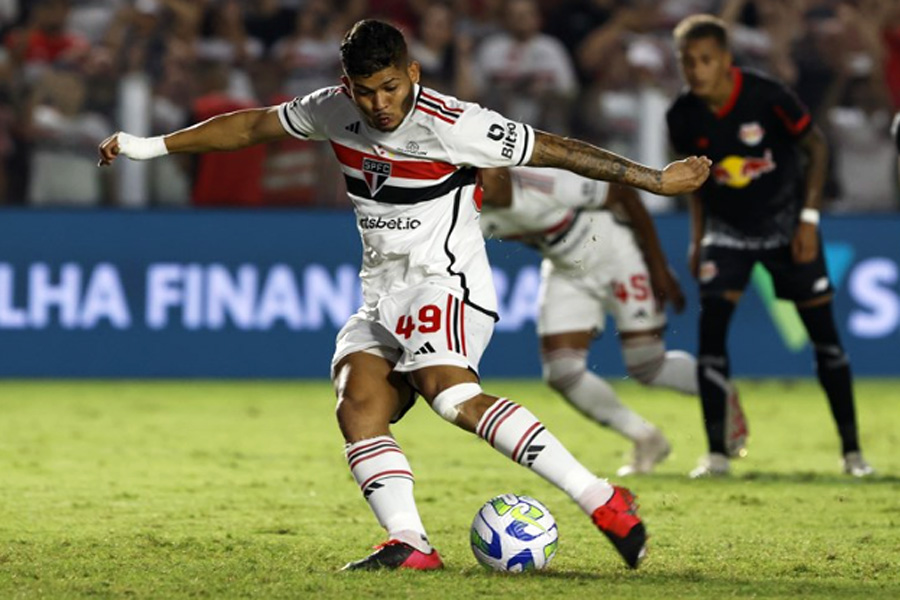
{"x":585,"y":159}
{"x":230,"y":131}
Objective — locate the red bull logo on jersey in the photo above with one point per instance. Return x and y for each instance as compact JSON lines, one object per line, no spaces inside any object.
{"x":376,"y":173}
{"x":751,"y":133}
{"x":740,"y":171}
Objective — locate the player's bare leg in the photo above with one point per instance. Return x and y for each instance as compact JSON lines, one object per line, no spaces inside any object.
{"x":725,"y":424}
{"x":564,"y":360}
{"x":370,"y":394}
{"x":455,"y":394}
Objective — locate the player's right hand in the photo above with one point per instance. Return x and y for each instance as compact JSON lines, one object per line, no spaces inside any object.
{"x":683,"y":176}
{"x":666,"y":288}
{"x":109,"y":150}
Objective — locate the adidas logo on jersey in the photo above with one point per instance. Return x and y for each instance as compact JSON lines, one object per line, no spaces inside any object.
{"x":353,"y":127}
{"x":426,"y":349}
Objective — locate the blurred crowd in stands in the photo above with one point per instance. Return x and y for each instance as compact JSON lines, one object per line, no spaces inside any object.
{"x":73,"y":71}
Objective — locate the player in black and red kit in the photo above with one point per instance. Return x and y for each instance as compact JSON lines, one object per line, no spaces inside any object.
{"x":761,"y":204}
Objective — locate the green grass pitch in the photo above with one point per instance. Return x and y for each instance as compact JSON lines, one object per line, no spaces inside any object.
{"x":240,"y":490}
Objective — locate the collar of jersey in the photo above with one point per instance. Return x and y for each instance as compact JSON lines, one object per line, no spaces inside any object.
{"x":737,"y":78}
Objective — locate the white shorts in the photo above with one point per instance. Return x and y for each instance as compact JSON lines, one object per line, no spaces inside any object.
{"x":422,"y":326}
{"x":607,"y":275}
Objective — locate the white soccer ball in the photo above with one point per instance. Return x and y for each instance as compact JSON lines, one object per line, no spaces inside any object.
{"x":514,"y":533}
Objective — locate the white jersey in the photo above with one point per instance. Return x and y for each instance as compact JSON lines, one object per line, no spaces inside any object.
{"x":413,"y":189}
{"x":546,"y":204}
{"x":592,"y":265}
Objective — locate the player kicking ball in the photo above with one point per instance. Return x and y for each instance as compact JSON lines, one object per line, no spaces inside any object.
{"x":407,"y":154}
{"x":760,"y":205}
{"x":595,"y":263}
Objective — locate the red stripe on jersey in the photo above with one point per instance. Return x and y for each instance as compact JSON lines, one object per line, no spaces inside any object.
{"x":407,"y":169}
{"x":447,"y":322}
{"x":444,"y":104}
{"x":434,"y":114}
{"x":794,"y":128}
{"x":462,"y":326}
{"x":478,"y":197}
{"x":561,"y":225}
{"x":565,"y":222}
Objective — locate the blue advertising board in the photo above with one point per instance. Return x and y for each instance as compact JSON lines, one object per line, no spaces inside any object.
{"x":262,"y":294}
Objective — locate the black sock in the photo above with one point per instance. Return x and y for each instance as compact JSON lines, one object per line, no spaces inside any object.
{"x":713,"y":369}
{"x":833,"y":369}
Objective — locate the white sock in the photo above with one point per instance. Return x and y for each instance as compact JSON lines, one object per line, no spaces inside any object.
{"x":383,"y":474}
{"x":566,"y":372}
{"x":597,"y":399}
{"x":517,"y":434}
{"x":678,"y":372}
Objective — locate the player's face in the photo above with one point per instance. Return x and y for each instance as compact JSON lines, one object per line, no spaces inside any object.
{"x":386,"y":97}
{"x":706,"y":66}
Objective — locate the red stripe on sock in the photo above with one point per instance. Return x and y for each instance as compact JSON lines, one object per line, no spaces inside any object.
{"x":379,"y":453}
{"x":500,"y":422}
{"x":487,"y":416}
{"x":374,"y":442}
{"x":366,"y":483}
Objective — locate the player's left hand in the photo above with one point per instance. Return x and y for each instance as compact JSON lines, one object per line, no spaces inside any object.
{"x":666,"y":288}
{"x":683,"y":176}
{"x":805,"y":245}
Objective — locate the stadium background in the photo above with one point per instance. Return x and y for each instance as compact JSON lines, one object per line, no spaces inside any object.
{"x":244,"y":265}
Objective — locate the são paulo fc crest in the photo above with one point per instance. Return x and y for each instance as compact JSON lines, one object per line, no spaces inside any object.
{"x":376,"y":173}
{"x":751,"y":133}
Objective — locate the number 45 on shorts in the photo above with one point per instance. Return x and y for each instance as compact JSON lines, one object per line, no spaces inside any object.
{"x":639,"y":288}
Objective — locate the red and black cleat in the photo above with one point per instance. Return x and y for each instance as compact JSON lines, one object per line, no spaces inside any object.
{"x":394,"y":554}
{"x":618,"y":520}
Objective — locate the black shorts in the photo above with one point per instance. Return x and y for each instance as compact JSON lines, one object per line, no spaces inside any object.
{"x":723,"y":269}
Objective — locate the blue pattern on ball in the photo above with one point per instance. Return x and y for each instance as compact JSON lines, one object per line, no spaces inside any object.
{"x":524,"y":559}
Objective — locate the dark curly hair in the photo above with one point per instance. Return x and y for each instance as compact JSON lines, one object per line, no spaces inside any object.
{"x":371,"y":46}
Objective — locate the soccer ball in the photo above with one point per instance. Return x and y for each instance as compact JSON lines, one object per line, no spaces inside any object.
{"x":514,"y":533}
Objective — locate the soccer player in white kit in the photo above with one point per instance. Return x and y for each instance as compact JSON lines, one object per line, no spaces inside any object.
{"x":593,"y":265}
{"x":407,"y":154}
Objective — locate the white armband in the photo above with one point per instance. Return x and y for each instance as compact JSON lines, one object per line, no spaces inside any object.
{"x":141,"y":148}
{"x":809,"y":215}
